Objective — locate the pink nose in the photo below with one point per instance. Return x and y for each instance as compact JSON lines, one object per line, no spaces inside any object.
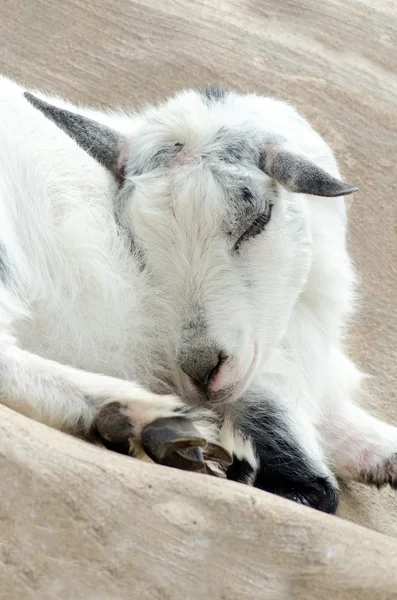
{"x":204,"y":368}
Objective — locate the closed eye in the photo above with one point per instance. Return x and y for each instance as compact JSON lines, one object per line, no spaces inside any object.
{"x":256,"y":227}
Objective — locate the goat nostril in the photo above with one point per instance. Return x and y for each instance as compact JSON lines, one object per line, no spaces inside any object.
{"x":212,"y":374}
{"x":201,"y":374}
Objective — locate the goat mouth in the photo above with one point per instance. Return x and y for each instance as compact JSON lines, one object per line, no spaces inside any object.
{"x":206,"y":387}
{"x":242,"y":385}
{"x":231,"y":392}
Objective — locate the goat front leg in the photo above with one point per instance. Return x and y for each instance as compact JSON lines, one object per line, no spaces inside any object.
{"x":275,"y":448}
{"x":359,"y":446}
{"x":124,"y":416}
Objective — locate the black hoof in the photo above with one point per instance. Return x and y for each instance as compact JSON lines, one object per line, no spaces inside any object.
{"x":114,"y":428}
{"x":172,"y":441}
{"x":175,"y":442}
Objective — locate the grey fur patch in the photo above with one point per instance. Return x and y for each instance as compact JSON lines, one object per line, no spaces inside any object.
{"x":300,"y":175}
{"x":160,"y":159}
{"x":120,"y":209}
{"x":249,"y":206}
{"x":195,"y":324}
{"x":99,"y":141}
{"x":4,"y":266}
{"x":214,"y":93}
{"x":233,"y":148}
{"x":256,"y":227}
{"x":198,"y":355}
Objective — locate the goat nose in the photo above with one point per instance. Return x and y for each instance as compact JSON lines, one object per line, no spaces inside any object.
{"x":203,"y":365}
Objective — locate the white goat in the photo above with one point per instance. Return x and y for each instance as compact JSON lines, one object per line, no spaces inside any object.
{"x":187,"y":250}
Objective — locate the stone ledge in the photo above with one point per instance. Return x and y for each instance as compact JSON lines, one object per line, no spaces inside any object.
{"x":79,"y":522}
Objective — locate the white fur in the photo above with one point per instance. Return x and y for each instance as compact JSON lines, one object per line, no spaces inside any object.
{"x":82,"y":325}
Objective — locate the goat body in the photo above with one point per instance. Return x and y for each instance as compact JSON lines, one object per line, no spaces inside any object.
{"x":185,"y":263}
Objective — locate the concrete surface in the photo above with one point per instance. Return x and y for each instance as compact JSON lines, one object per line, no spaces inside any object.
{"x":336,"y":61}
{"x":79,"y":523}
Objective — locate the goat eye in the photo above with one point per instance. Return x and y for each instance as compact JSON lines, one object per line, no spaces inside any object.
{"x":256,"y":227}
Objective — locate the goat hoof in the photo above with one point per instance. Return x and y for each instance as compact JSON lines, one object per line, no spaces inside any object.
{"x":187,"y":459}
{"x":169,"y":441}
{"x":218,"y":454}
{"x":113,"y":426}
{"x":175,"y":442}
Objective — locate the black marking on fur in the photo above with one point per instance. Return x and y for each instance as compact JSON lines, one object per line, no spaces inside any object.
{"x":99,"y":141}
{"x":185,"y":411}
{"x":214,"y":93}
{"x":251,"y":212}
{"x":382,"y":475}
{"x":283,"y":467}
{"x":247,"y":195}
{"x":317,"y":492}
{"x":257,"y":226}
{"x":240,"y":470}
{"x":370,"y":478}
{"x":300,"y":175}
{"x":4,"y":266}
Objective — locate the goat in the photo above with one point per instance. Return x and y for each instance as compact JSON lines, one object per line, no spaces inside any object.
{"x":176,"y":284}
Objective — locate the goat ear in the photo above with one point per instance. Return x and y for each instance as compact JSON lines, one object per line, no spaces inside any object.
{"x":300,"y":175}
{"x":100,"y":142}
